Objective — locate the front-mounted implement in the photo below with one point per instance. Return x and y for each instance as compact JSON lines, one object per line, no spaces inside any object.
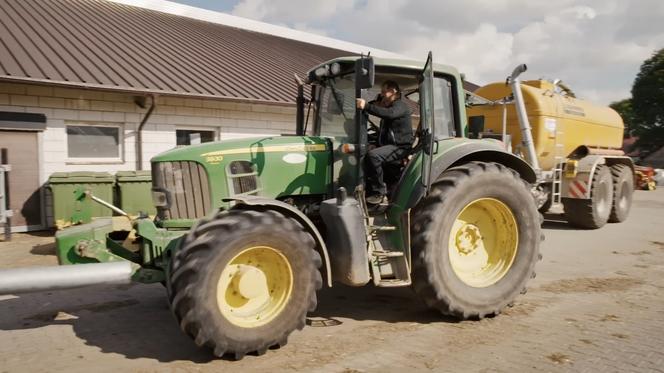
{"x":248,"y":230}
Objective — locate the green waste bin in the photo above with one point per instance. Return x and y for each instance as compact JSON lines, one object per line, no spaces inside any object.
{"x":135,"y":192}
{"x":67,"y":210}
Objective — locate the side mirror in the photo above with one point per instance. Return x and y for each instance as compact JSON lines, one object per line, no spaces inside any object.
{"x":365,"y":73}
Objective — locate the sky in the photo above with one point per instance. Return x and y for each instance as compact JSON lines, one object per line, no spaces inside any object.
{"x":596,"y":46}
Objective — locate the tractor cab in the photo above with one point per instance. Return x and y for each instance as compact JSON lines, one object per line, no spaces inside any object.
{"x":330,"y":112}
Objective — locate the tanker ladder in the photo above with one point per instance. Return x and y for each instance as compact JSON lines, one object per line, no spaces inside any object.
{"x":559,"y":161}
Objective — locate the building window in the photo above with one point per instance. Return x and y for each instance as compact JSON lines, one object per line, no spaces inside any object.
{"x":94,"y":142}
{"x":194,"y":136}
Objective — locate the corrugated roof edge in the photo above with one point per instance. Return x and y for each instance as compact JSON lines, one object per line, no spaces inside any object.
{"x":170,"y":7}
{"x":138,"y":91}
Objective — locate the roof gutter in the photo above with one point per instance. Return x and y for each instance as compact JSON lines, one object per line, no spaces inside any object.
{"x":135,"y":91}
{"x":140,"y":101}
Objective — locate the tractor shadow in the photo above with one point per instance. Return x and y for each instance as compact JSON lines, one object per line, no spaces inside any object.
{"x":135,"y":321}
{"x":391,"y":305}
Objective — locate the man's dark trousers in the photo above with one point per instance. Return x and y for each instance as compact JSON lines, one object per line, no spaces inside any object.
{"x":376,"y":158}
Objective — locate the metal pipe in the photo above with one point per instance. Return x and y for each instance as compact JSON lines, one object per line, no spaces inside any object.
{"x":526,"y":130}
{"x":139,"y":135}
{"x":34,"y":279}
{"x":106,"y":204}
{"x":4,"y":160}
{"x":505,"y":124}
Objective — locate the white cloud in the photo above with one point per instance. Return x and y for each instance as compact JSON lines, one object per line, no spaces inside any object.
{"x":461,"y":48}
{"x":596,"y":46}
{"x":291,"y":11}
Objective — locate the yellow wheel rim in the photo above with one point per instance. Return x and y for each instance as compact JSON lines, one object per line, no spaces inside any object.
{"x":483,"y":242}
{"x":255,"y":286}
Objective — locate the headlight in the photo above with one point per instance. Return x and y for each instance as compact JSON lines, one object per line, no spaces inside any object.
{"x":160,"y":198}
{"x":335,"y":68}
{"x":321,"y":71}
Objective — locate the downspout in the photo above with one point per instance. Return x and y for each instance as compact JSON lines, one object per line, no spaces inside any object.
{"x":139,"y":132}
{"x":526,"y":130}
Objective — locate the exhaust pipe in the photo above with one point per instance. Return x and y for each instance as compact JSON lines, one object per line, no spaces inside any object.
{"x":524,"y":124}
{"x":35,"y":279}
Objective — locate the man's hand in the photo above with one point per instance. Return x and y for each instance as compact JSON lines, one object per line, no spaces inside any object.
{"x":360,"y":103}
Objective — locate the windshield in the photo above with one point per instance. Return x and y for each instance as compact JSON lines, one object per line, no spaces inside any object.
{"x":337,"y":108}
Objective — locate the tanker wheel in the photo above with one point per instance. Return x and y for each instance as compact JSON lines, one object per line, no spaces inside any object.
{"x":242,"y":281}
{"x":623,"y":188}
{"x":592,"y":213}
{"x":476,"y":240}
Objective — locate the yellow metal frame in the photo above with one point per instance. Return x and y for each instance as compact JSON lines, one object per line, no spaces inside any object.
{"x":255,"y":286}
{"x":483,"y":242}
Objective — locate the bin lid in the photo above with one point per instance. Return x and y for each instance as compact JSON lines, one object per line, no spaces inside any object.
{"x":80,"y":177}
{"x":123,"y":176}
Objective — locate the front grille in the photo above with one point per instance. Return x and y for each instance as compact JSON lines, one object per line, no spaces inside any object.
{"x":188,"y":189}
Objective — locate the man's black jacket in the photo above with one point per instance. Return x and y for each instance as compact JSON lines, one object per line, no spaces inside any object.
{"x":395,"y":124}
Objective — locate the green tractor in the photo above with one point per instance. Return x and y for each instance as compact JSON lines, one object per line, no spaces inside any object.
{"x":248,"y":230}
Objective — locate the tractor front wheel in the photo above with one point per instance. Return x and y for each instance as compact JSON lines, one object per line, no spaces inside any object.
{"x":242,"y":281}
{"x":476,"y":240}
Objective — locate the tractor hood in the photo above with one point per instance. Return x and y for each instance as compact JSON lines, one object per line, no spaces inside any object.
{"x":281,"y":165}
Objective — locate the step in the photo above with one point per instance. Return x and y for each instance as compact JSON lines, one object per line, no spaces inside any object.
{"x":392,"y":283}
{"x":383,"y":228}
{"x":387,"y":254}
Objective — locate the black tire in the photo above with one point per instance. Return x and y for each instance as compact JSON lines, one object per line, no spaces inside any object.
{"x":592,"y":213}
{"x":434,"y":279}
{"x":206,"y":250}
{"x":623,"y":189}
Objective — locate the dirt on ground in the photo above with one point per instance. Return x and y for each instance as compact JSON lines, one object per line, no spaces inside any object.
{"x":596,"y":305}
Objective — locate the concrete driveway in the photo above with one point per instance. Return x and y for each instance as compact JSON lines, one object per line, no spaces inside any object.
{"x":597,"y":304}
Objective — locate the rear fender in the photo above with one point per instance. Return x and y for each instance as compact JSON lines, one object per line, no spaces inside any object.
{"x":410,"y":189}
{"x":579,"y":186}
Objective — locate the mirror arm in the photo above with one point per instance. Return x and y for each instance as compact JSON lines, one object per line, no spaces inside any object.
{"x":299,"y":116}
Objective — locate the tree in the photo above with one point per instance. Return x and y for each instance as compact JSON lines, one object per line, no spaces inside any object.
{"x":648,"y":103}
{"x":624,"y":108}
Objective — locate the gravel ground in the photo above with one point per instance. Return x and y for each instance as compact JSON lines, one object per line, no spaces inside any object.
{"x":596,"y":305}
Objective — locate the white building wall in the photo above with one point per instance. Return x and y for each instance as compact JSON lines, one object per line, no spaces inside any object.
{"x":63,"y":106}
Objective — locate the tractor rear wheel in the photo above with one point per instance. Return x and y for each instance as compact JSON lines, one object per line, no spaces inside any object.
{"x":623,"y":188}
{"x":476,"y":240}
{"x":242,"y":281}
{"x":592,"y":213}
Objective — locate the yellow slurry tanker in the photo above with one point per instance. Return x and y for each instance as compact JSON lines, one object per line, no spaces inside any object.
{"x":574,"y":146}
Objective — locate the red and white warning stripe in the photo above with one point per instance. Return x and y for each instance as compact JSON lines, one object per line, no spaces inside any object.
{"x":578,"y":189}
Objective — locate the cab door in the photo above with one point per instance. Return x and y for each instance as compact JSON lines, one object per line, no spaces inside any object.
{"x":427,"y":135}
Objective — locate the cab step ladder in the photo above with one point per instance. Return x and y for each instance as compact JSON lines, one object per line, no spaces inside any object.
{"x":388,"y":268}
{"x":559,"y":162}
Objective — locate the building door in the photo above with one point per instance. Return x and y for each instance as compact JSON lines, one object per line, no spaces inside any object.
{"x":22,"y":152}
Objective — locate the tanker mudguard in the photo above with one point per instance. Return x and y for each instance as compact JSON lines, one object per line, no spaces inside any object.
{"x":291,"y":211}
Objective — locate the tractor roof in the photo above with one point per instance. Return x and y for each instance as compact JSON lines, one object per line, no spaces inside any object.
{"x":392,"y":62}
